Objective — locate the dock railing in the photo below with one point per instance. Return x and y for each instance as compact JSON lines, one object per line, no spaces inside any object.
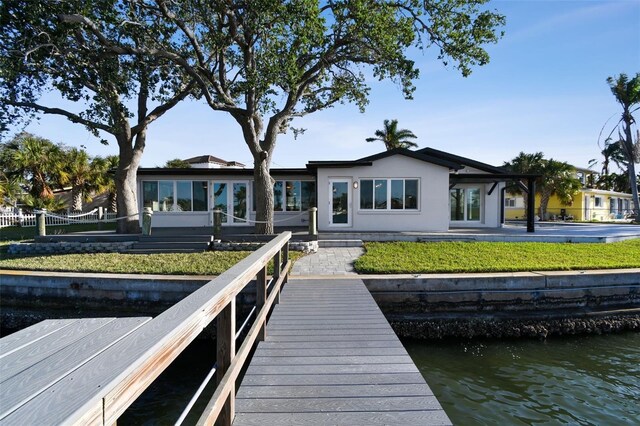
{"x":132,"y":364}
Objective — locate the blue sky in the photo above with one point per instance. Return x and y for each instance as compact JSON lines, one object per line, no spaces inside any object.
{"x":544,"y":90}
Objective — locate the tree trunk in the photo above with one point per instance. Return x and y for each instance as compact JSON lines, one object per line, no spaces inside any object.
{"x":113,"y":201}
{"x":126,"y":187}
{"x":76,"y":199}
{"x":263,"y":185}
{"x":634,"y":190}
{"x":629,"y":150}
{"x":544,"y":202}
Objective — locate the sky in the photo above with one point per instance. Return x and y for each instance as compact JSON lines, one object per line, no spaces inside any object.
{"x":544,"y":90}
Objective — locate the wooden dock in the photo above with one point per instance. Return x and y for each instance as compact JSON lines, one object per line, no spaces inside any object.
{"x":331,"y":357}
{"x":33,"y":360}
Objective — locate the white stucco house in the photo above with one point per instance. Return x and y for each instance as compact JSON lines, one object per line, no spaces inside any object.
{"x":399,"y":190}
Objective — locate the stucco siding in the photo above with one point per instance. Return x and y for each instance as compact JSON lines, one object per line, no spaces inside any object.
{"x":432,"y":212}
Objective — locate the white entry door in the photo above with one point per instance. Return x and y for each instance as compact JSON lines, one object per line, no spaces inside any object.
{"x":340,"y":202}
{"x":232,"y":199}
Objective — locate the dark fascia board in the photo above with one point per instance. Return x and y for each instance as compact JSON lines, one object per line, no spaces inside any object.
{"x":462,"y":160}
{"x":368,"y":161}
{"x":491,"y":177}
{"x":162,"y":171}
{"x":337,"y":164}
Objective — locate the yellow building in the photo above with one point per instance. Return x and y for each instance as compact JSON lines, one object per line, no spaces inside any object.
{"x":588,"y":205}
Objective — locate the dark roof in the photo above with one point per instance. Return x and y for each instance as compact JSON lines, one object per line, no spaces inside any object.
{"x":368,"y":161}
{"x":163,"y":171}
{"x":461,"y":160}
{"x":212,"y":159}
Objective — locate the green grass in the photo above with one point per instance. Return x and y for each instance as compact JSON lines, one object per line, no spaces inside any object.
{"x":449,"y":257}
{"x":206,"y":263}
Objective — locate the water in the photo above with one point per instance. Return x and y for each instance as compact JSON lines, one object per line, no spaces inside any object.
{"x":590,"y":380}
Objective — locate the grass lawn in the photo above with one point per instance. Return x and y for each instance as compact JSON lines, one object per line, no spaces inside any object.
{"x":449,"y":257}
{"x":206,"y":263}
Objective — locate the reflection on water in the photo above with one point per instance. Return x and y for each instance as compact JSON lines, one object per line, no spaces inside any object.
{"x":579,"y":380}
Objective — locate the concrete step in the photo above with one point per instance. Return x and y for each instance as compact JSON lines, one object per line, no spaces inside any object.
{"x":339,"y":243}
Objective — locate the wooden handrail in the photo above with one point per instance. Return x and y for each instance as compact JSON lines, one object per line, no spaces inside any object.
{"x":127,"y":368}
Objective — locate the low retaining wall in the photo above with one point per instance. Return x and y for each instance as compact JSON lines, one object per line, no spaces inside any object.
{"x":303,"y":246}
{"x":521,"y":291}
{"x":69,"y":247}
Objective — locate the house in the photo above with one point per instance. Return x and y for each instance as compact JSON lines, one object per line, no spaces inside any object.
{"x":588,"y":204}
{"x":399,"y":190}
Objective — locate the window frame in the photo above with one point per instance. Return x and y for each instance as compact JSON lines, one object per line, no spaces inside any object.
{"x":465,"y":203}
{"x":388,"y":195}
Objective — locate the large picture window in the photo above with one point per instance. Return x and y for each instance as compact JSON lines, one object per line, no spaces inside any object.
{"x":388,"y":194}
{"x":465,"y":204}
{"x":171,"y":195}
{"x":291,"y":195}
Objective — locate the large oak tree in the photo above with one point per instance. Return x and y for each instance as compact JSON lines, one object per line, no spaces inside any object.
{"x":116,"y":94}
{"x":266,"y":62}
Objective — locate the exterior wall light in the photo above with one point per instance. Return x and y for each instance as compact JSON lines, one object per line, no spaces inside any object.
{"x":355,"y":185}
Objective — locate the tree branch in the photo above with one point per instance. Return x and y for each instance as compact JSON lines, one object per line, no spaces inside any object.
{"x":75,"y":118}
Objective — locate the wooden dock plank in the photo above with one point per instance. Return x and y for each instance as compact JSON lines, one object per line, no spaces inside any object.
{"x":331,"y":360}
{"x":403,"y":418}
{"x":331,"y":357}
{"x":30,"y":335}
{"x":349,"y":404}
{"x":30,"y":382}
{"x":22,"y":359}
{"x":332,"y":379}
{"x":333,"y":391}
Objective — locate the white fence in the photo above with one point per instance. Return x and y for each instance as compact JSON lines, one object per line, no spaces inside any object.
{"x":16,"y":219}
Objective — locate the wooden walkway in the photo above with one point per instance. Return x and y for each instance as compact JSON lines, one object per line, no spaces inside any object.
{"x":331,"y":358}
{"x":35,"y":359}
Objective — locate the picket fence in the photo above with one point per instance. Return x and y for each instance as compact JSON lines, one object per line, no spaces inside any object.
{"x":16,"y":219}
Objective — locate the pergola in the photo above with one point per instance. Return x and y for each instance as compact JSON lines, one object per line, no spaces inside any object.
{"x":527,"y":183}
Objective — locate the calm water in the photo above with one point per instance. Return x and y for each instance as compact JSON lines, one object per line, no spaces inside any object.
{"x":591,"y":380}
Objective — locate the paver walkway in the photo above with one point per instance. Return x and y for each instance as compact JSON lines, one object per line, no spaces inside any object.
{"x":331,"y":358}
{"x":328,"y":261}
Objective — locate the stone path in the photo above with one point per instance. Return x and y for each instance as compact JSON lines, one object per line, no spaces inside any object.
{"x":328,"y":261}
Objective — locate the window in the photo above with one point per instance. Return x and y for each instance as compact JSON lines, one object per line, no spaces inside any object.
{"x":291,"y":195}
{"x":598,"y":202}
{"x":150,"y":195}
{"x":189,"y":196}
{"x":184,"y":196}
{"x":165,"y":195}
{"x":388,"y":194}
{"x":308,"y":197}
{"x":465,"y":204}
{"x":199,"y":196}
{"x":509,"y":202}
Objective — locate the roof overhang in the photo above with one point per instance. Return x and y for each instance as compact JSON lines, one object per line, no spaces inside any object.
{"x":489,"y":177}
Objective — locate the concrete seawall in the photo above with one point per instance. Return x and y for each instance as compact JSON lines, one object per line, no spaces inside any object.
{"x":429,"y":306}
{"x":400,"y":295}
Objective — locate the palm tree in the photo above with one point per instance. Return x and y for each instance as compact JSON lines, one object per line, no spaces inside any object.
{"x":103,"y":168}
{"x":627,"y":93}
{"x":524,"y":164}
{"x":556,"y":178}
{"x":559,"y":179}
{"x":392,"y":137}
{"x":79,"y":174}
{"x":36,"y":160}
